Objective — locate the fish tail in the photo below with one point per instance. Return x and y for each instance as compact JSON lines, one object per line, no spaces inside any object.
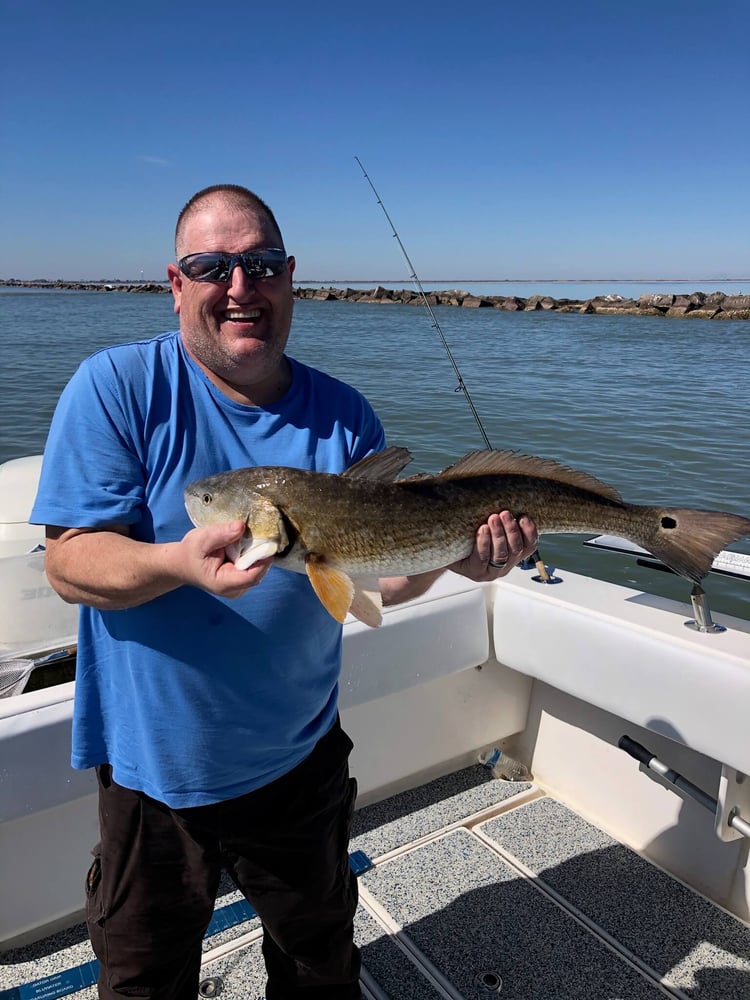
{"x":689,"y":540}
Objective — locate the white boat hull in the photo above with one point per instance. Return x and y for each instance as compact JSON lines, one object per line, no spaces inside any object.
{"x":563,"y":671}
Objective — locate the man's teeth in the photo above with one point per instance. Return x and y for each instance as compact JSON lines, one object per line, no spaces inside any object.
{"x":236,"y":316}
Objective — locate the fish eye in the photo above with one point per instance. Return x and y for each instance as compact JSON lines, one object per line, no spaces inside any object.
{"x":206,"y":499}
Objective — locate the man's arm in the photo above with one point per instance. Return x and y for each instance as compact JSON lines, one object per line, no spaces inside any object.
{"x":106,"y":569}
{"x":502,"y":539}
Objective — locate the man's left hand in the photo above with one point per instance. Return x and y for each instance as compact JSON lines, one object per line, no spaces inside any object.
{"x":501,"y":543}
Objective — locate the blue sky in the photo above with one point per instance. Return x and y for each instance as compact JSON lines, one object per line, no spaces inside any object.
{"x":507,"y":140}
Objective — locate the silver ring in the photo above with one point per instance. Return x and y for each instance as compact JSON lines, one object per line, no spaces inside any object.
{"x":498,"y":565}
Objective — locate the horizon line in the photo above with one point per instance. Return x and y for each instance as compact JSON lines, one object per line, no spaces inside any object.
{"x":518,"y":281}
{"x":392,"y":281}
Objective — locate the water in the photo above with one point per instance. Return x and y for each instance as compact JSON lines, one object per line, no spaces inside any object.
{"x":660,"y":408}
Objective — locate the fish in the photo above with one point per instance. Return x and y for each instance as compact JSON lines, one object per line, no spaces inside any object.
{"x":347,"y":530}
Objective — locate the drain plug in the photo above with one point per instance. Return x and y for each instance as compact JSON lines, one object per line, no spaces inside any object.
{"x":489,"y":980}
{"x":210,"y":987}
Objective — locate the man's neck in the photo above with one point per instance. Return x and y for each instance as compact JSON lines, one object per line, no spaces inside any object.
{"x":262,"y":392}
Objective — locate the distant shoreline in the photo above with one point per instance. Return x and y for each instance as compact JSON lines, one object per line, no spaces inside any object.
{"x":695,"y":305}
{"x":535,"y":281}
{"x":321,"y":282}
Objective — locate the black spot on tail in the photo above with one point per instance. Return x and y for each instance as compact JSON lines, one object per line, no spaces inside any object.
{"x":688,"y":541}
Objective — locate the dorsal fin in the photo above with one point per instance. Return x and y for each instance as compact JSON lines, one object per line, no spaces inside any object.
{"x":416,"y":477}
{"x":512,"y":463}
{"x":383,"y":466}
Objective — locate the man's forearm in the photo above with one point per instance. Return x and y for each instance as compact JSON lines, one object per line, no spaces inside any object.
{"x":108,"y":570}
{"x":397,"y":589}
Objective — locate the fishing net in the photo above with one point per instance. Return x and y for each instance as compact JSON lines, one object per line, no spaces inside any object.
{"x":14,"y":675}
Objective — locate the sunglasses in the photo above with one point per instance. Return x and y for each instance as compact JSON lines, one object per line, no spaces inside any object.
{"x":217,"y":266}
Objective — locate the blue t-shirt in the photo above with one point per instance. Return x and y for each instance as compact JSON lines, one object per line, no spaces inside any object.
{"x":195,"y":698}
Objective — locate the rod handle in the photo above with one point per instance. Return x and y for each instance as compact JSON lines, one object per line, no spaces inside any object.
{"x":636,"y":750}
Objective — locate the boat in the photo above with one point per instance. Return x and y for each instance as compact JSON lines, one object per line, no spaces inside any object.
{"x":616,"y":867}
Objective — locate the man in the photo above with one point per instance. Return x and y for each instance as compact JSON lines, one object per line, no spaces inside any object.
{"x":206,"y":695}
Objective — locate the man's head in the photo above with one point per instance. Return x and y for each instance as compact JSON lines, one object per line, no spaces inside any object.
{"x":233,"y":196}
{"x":235,"y":328}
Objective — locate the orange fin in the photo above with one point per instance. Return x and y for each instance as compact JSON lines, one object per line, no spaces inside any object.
{"x":367,"y":605}
{"x":334,"y":588}
{"x":504,"y":463}
{"x":383,"y":466}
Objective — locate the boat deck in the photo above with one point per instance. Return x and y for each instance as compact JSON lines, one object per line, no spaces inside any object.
{"x":472,"y":887}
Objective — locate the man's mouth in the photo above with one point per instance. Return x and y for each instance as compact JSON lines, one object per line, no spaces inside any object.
{"x":242,"y":315}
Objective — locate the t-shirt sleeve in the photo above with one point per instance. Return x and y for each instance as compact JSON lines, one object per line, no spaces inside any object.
{"x":371,"y":435}
{"x":91,"y":475}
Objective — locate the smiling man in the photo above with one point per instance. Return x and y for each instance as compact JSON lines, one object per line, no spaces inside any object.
{"x":206,"y":695}
{"x":235,"y":329}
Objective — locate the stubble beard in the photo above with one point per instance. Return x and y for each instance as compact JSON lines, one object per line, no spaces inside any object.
{"x":240,"y":369}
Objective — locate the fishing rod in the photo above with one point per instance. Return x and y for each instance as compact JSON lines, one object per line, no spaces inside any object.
{"x":544,"y":576}
{"x":461,"y":387}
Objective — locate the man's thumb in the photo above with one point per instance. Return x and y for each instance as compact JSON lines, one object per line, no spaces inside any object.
{"x":221,"y":534}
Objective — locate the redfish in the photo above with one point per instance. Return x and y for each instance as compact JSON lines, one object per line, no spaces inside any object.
{"x":346,"y":531}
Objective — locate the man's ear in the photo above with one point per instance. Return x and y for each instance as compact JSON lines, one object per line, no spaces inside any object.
{"x":175,"y":280}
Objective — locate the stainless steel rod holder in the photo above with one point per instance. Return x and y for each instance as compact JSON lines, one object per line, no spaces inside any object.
{"x":703,"y":622}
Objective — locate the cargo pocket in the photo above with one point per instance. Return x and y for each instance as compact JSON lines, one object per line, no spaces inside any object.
{"x":95,"y":905}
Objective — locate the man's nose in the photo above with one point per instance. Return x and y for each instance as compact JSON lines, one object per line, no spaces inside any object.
{"x":240,"y":282}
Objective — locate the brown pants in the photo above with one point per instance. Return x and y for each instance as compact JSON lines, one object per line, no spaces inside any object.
{"x":153,"y":883}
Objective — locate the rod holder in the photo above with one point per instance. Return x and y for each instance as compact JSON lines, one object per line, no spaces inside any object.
{"x":703,"y":622}
{"x":543,"y":573}
{"x":734,"y":791}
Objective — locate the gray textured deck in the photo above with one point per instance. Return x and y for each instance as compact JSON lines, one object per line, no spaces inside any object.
{"x":529,"y":892}
{"x":669,"y":929}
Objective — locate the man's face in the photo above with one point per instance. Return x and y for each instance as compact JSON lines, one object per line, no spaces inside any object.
{"x":236,"y":330}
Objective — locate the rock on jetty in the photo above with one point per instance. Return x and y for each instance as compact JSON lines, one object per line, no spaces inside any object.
{"x":698,"y":305}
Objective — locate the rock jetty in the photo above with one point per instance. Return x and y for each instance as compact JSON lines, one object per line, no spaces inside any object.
{"x":144,"y":287}
{"x":696,"y":305}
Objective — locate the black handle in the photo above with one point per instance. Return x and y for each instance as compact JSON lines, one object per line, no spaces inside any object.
{"x":636,"y":750}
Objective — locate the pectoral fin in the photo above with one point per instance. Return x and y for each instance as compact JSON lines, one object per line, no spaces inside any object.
{"x":334,"y":588}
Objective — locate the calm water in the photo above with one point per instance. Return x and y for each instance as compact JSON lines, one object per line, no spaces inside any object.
{"x":659,"y":408}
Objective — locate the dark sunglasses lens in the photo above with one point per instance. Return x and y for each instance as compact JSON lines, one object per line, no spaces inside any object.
{"x":205,"y":267}
{"x":267,"y":264}
{"x":218,"y":266}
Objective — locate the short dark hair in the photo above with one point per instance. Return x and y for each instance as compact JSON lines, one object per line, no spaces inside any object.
{"x":233,"y":195}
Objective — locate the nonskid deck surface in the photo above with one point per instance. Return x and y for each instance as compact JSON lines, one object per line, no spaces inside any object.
{"x":484,"y":888}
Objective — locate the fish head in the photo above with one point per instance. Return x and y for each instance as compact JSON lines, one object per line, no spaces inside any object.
{"x":229,"y":497}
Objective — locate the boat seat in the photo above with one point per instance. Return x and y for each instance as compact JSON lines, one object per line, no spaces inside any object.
{"x":438,"y":634}
{"x":616,"y":648}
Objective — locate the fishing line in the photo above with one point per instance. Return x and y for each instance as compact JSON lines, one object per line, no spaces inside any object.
{"x":461,"y":387}
{"x":544,"y":576}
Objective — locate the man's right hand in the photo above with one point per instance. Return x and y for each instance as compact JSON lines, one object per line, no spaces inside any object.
{"x":206,"y":549}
